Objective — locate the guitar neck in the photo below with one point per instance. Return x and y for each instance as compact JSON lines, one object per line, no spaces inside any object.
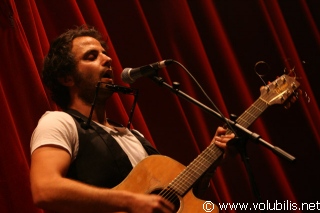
{"x":185,"y":180}
{"x":274,"y":93}
{"x":252,"y":113}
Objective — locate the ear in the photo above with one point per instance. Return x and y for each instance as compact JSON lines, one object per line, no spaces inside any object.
{"x":66,"y":81}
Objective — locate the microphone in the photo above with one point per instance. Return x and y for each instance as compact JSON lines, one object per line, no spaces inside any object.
{"x":130,"y":75}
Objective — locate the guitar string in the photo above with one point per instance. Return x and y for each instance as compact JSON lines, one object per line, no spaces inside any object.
{"x":169,"y":192}
{"x":180,"y":184}
{"x":185,"y":180}
{"x":190,"y":175}
{"x":250,"y":115}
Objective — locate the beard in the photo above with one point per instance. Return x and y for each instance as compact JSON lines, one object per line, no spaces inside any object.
{"x":87,"y":89}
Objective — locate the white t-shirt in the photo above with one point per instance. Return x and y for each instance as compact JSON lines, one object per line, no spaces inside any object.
{"x":58,"y":128}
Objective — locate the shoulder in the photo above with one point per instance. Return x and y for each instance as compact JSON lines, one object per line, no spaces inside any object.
{"x":55,"y":128}
{"x":56,"y":116}
{"x":56,"y":120}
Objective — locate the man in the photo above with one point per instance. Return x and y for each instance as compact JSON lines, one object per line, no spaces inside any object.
{"x":67,"y":155}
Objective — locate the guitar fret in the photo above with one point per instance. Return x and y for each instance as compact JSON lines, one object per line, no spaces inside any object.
{"x":252,"y":113}
{"x":199,"y":165}
{"x":195,"y":169}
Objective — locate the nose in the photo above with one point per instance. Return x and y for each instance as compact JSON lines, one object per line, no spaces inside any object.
{"x":106,"y":61}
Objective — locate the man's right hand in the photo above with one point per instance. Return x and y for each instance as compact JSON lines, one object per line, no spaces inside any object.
{"x":151,"y":204}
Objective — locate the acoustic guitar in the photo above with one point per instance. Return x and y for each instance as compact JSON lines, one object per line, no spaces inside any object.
{"x":168,"y":178}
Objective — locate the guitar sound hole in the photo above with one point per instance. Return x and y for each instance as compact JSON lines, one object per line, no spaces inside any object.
{"x":170,"y":196}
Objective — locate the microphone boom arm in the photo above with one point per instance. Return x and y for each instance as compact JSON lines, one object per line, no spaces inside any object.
{"x":252,"y":135}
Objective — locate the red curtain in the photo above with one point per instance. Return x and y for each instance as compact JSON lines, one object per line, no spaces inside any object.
{"x":219,"y":42}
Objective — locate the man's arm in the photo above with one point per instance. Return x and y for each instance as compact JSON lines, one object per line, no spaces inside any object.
{"x":52,"y":191}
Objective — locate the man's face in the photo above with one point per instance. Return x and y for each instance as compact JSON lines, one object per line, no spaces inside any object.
{"x":93,"y":65}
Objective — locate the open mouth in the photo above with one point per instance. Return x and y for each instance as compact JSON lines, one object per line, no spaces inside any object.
{"x":107,"y":74}
{"x":107,"y":77}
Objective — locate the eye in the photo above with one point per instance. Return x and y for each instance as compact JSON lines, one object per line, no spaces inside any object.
{"x":91,"y":56}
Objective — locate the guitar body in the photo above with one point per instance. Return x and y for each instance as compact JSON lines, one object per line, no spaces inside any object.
{"x":155,"y":173}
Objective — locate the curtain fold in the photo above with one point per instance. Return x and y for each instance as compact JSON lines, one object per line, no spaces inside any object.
{"x":220,"y":42}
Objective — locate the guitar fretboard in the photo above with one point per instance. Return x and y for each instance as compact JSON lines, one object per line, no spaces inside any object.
{"x":185,"y":180}
{"x":252,"y":113}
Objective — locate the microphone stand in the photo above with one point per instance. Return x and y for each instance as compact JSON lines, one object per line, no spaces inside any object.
{"x":241,"y":142}
{"x":237,"y":126}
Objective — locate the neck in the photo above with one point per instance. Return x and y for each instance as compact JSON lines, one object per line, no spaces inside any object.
{"x":99,"y":112}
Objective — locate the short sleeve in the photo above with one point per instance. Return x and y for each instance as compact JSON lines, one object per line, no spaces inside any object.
{"x":56,"y":128}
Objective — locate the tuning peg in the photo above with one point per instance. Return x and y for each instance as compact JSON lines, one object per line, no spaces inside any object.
{"x":287,"y":105}
{"x":306,"y":96}
{"x":298,"y":92}
{"x":293,"y":99}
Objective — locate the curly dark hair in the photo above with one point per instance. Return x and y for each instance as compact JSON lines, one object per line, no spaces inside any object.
{"x":60,"y":62}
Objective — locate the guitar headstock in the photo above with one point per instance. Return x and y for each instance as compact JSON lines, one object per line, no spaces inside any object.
{"x":279,"y":90}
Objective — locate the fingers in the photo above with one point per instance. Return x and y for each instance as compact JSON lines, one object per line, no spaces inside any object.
{"x":151,"y":204}
{"x":222,"y":140}
{"x":220,"y":131}
{"x":167,"y":206}
{"x":162,"y":205}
